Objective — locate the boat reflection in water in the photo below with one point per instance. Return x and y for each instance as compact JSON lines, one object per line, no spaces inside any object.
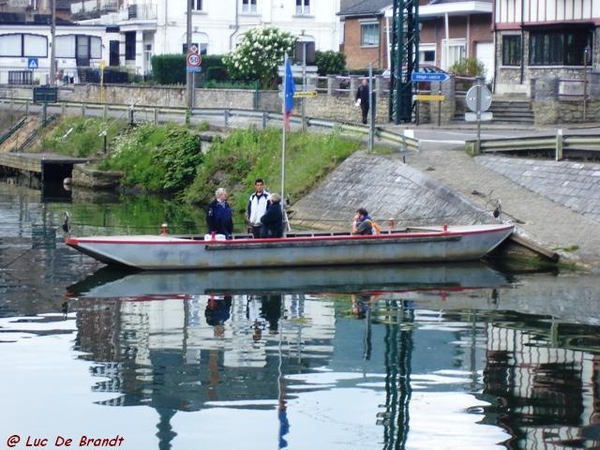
{"x":118,"y":282}
{"x":425,"y":353}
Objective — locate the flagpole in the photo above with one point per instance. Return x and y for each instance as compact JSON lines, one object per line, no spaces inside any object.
{"x":283,"y":110}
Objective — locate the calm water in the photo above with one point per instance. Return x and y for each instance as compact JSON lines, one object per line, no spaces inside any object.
{"x":372,"y":358}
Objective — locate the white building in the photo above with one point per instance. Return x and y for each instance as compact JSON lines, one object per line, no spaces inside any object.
{"x":26,"y":48}
{"x":153,"y":27}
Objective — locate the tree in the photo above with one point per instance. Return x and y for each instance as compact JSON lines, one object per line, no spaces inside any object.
{"x":258,"y":54}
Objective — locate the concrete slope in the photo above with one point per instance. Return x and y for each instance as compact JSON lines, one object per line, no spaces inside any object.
{"x":442,"y":184}
{"x":387,"y":188}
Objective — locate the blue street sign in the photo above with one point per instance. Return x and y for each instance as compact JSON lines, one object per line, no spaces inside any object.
{"x":428,"y":76}
{"x":194,"y":69}
{"x":32,"y":63}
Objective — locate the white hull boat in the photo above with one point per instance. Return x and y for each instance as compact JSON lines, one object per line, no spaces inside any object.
{"x":423,"y":245}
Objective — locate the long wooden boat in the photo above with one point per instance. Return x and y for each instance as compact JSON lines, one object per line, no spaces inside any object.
{"x":424,"y":245}
{"x":114,"y":282}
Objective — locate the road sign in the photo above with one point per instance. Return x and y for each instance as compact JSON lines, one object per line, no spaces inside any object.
{"x":300,"y":94}
{"x":485,"y":98}
{"x":428,"y":76}
{"x":297,"y":71}
{"x":429,"y":98}
{"x":32,"y":63}
{"x":193,"y":59}
{"x":483,"y":117}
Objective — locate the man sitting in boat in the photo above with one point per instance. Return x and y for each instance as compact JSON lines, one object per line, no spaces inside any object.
{"x":363,"y":224}
{"x":272,"y":220}
{"x":218,"y":215}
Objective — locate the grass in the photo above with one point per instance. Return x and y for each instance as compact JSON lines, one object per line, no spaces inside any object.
{"x":250,"y":153}
{"x":81,"y":137}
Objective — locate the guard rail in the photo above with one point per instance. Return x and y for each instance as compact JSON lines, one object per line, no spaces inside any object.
{"x":232,"y":118}
{"x":559,"y":145}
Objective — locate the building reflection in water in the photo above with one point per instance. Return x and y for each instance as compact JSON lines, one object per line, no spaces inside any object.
{"x":537,"y":377}
{"x":541,"y":377}
{"x":188,"y":353}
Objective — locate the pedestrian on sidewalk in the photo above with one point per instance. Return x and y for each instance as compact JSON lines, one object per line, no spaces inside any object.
{"x":362,"y":99}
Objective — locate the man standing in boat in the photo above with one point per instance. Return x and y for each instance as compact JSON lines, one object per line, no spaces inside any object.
{"x":218,"y":215}
{"x":257,"y":206}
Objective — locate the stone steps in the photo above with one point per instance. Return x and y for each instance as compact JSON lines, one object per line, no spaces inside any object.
{"x":506,"y":109}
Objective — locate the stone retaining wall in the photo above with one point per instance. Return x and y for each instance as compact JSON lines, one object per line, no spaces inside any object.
{"x":337,"y":104}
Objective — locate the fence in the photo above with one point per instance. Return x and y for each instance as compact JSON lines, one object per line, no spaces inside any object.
{"x":559,"y":145}
{"x":226,"y":117}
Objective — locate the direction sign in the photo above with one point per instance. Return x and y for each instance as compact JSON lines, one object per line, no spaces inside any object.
{"x":300,"y":94}
{"x":429,"y":98}
{"x":416,"y":77}
{"x":297,"y":71}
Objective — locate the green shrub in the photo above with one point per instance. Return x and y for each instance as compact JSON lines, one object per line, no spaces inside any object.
{"x":330,"y":62}
{"x":468,"y":67}
{"x":156,"y":158}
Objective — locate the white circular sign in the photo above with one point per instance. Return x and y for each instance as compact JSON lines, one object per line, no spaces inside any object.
{"x":485,"y":98}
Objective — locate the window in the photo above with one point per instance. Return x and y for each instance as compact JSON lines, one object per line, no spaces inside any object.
{"x":453,"y":51}
{"x":369,"y":35}
{"x":511,"y":50}
{"x":249,"y":6}
{"x":558,"y":47}
{"x":130,"y":46}
{"x":23,"y":45}
{"x":426,"y":53}
{"x":303,"y":7}
{"x":78,"y":46}
{"x":196,"y":5}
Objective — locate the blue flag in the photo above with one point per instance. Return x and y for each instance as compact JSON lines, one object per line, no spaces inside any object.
{"x":289,"y":88}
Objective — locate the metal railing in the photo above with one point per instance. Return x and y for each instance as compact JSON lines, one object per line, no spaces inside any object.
{"x":557,"y":145}
{"x":230,"y":118}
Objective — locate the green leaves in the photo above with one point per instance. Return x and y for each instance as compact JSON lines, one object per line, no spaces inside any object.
{"x":158,"y":158}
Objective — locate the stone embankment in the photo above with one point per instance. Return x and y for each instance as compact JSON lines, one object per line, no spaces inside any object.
{"x":442,"y":184}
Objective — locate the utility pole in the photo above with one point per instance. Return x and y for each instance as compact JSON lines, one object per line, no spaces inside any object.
{"x":190,"y":75}
{"x":52,"y":81}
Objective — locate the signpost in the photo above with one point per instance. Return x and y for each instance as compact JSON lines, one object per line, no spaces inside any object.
{"x":303,"y":94}
{"x":429,"y":98}
{"x":420,"y":77}
{"x":479,"y":99}
{"x":417,"y":77}
{"x":193,"y":61}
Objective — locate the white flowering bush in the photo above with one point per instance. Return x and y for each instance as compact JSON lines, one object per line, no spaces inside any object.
{"x":260,"y":51}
